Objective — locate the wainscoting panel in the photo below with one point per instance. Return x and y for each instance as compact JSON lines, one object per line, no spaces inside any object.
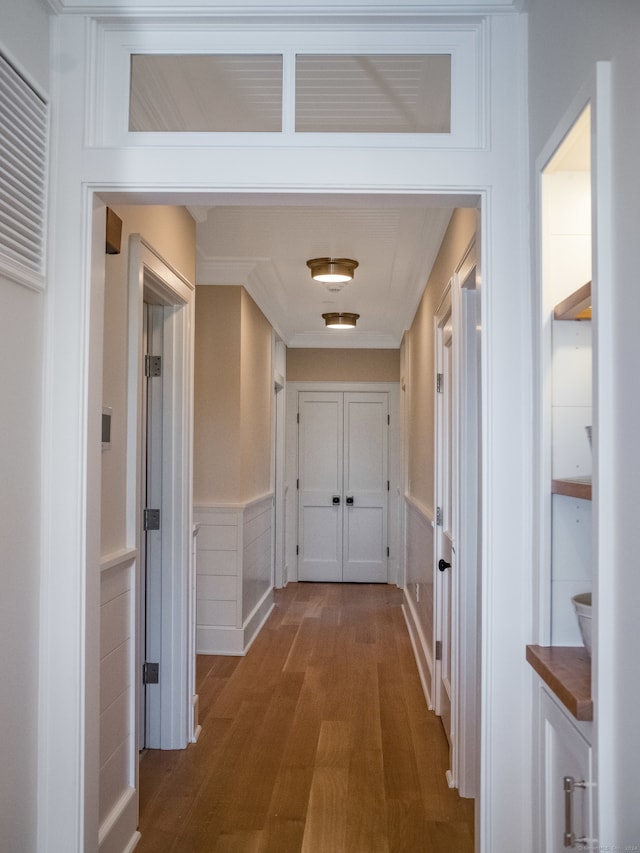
{"x":234,"y":586}
{"x":419,"y":591}
{"x":118,"y":755}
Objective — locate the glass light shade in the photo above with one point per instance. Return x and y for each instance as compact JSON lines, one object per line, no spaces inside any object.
{"x":340,"y":321}
{"x":332,"y":270}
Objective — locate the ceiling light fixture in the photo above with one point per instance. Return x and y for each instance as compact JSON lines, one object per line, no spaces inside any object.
{"x":332,"y":270}
{"x":340,"y":321}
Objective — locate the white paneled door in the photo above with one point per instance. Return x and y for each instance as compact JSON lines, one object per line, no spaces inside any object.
{"x":343,"y":486}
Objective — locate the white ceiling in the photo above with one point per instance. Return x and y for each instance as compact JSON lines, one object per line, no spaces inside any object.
{"x":265,"y":248}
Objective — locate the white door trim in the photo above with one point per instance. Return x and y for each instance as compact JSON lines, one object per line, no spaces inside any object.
{"x":151,"y":279}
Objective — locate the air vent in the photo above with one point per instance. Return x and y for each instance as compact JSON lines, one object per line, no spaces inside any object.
{"x":23,"y":164}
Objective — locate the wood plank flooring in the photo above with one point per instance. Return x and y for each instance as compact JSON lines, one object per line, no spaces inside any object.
{"x":318,"y":741}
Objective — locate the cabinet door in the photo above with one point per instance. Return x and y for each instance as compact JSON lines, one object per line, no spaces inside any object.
{"x":566,"y":755}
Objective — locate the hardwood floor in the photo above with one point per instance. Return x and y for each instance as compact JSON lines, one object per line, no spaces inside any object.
{"x":318,"y":741}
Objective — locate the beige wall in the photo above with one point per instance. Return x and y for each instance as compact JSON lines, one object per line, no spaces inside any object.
{"x":343,"y":365}
{"x":171,"y":232}
{"x":257,"y":397}
{"x":233,"y":397}
{"x":418,"y":359}
{"x":216,"y":447}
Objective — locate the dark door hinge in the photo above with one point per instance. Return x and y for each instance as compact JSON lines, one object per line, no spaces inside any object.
{"x":152,"y":366}
{"x":150,"y":673}
{"x":438,"y":650}
{"x":151,"y":519}
{"x":387,"y":550}
{"x":297,"y":549}
{"x":440,"y":383}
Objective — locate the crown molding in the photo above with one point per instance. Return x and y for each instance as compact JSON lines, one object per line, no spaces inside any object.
{"x":284,"y":10}
{"x":344,"y":339}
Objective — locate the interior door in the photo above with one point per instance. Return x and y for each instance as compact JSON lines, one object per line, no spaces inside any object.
{"x":320,"y":459}
{"x":445,"y":547}
{"x":342,"y":486}
{"x":366,"y":487}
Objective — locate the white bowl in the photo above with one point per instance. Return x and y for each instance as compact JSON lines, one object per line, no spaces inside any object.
{"x":582,"y":605}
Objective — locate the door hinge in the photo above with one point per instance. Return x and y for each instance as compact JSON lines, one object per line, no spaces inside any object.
{"x":298,"y":418}
{"x":387,"y":485}
{"x":152,"y":366}
{"x":388,"y":419}
{"x":440,"y":382}
{"x":438,"y":516}
{"x":150,"y":673}
{"x":387,"y":550}
{"x":297,"y":550}
{"x":438,"y":649}
{"x":151,"y":519}
{"x":297,"y":484}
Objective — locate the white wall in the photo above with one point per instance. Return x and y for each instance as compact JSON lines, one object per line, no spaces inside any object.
{"x":20,"y":391}
{"x":565,"y":41}
{"x":24,"y":38}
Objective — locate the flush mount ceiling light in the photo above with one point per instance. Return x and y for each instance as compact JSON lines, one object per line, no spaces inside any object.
{"x":340,"y":321}
{"x":332,"y":270}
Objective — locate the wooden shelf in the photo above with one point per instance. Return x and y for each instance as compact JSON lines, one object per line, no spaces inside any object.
{"x":575,"y":307}
{"x":567,"y":671}
{"x":578,"y":487}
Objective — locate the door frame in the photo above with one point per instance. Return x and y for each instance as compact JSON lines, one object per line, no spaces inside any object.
{"x":468,"y":348}
{"x":394,"y":530}
{"x":152,"y":279}
{"x":461,"y":301}
{"x":446,"y":491}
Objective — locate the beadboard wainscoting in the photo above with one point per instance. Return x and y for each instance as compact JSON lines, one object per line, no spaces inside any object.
{"x":418,"y":601}
{"x":234,"y":583}
{"x":118,"y":752}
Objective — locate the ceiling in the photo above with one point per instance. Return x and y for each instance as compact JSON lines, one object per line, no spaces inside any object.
{"x":263,"y":242}
{"x":265,"y":248}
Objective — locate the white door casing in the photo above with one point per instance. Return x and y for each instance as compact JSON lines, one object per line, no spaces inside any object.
{"x":72,"y":367}
{"x":153,"y":281}
{"x":445,"y":501}
{"x":343,"y":486}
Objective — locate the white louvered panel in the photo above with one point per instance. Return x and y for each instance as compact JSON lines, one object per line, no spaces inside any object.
{"x":23,"y":162}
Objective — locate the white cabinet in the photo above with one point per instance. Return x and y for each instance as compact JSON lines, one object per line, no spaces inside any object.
{"x":565,"y":777}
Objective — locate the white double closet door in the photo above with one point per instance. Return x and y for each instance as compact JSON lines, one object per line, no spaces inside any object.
{"x":343,"y":486}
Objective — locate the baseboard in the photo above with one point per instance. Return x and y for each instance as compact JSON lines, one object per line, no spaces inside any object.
{"x":256,"y":619}
{"x":118,"y":832}
{"x":214,"y":640}
{"x":420,"y":650}
{"x":234,"y":641}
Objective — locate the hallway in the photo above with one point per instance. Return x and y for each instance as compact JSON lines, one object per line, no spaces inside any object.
{"x":319,"y":741}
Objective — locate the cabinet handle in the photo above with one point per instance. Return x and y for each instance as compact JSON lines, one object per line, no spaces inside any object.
{"x":335,"y":500}
{"x":569,"y":784}
{"x":350,"y":500}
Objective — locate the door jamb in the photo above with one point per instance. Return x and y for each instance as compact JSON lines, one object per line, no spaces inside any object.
{"x":153,"y":278}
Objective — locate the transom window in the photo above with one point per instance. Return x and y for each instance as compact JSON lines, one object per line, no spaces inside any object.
{"x":338,"y":93}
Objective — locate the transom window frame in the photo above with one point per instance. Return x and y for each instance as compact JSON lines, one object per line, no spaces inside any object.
{"x":465,"y":43}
